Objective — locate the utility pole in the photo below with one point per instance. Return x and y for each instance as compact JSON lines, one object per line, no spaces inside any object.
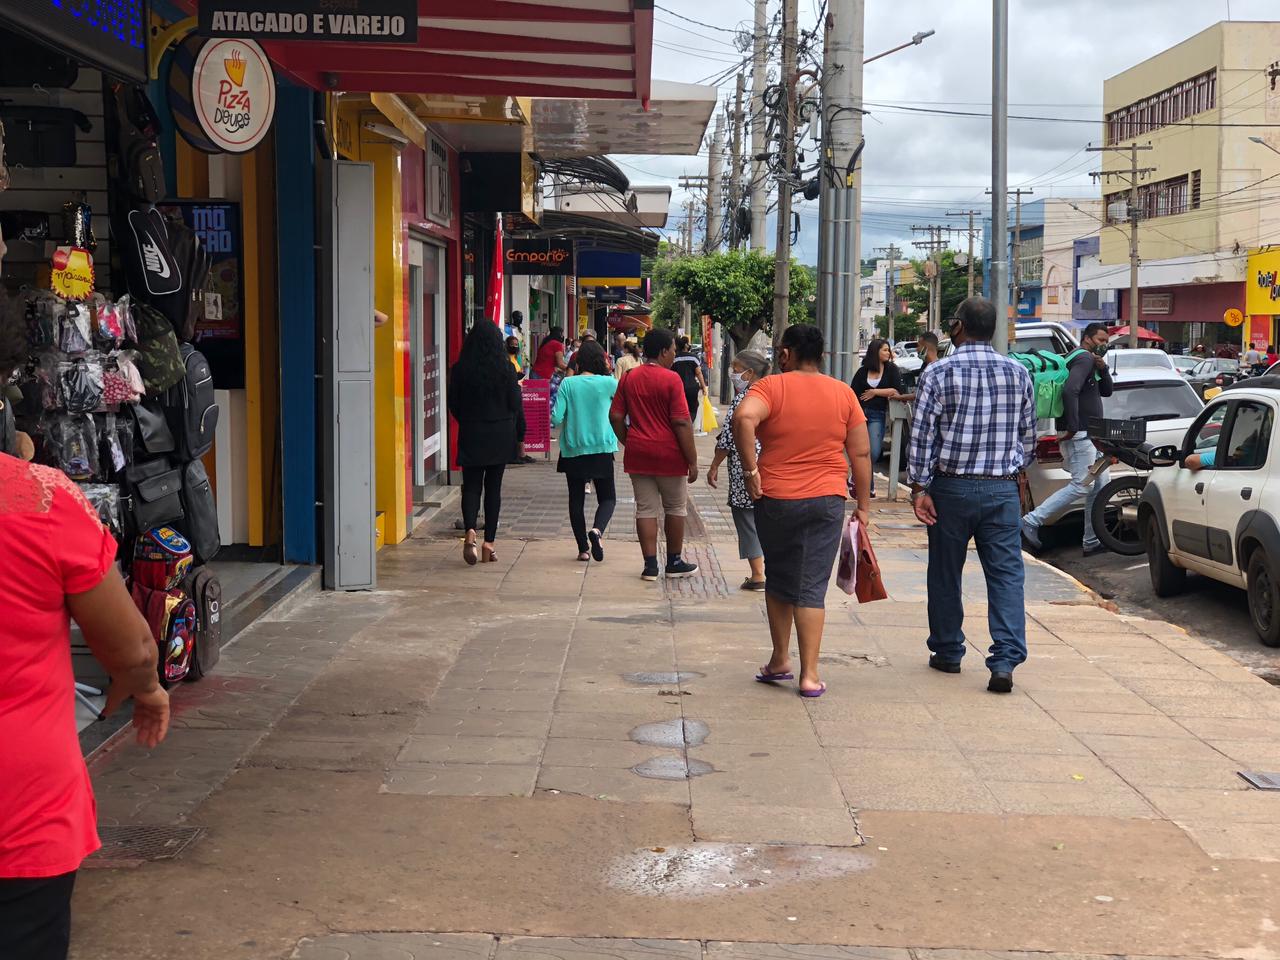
{"x":1000,"y":167}
{"x":715,"y":189}
{"x":890,"y":289}
{"x":787,"y":162}
{"x":970,"y":214}
{"x":1133,"y":173}
{"x":933,"y":246}
{"x":1015,"y":272}
{"x":839,"y":240}
{"x":735,"y":165}
{"x":759,"y":170}
{"x":685,"y":312}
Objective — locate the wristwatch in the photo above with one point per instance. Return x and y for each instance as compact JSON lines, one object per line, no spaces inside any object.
{"x":751,"y":473}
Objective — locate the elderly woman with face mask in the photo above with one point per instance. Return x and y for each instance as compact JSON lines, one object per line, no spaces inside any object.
{"x":748,"y":367}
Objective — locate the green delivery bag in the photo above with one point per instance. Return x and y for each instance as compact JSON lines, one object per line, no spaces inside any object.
{"x":1048,"y":376}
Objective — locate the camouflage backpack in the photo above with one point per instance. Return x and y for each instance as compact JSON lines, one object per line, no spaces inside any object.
{"x":159,"y":358}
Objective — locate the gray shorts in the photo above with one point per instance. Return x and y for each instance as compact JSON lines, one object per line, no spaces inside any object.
{"x":744,"y":518}
{"x":800,"y":540}
{"x":656,"y":496}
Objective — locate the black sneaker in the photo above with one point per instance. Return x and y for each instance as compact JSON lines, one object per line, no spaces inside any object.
{"x":597,"y":548}
{"x":650,"y":571}
{"x":681,"y":568}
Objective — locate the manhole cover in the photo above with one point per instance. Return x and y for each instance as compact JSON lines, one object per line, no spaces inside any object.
{"x":132,"y":844}
{"x":672,"y":768}
{"x":1263,"y":781}
{"x":673,"y":734}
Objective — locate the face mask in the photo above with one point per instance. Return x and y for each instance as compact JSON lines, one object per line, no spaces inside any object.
{"x":739,"y":381}
{"x":513,"y":350}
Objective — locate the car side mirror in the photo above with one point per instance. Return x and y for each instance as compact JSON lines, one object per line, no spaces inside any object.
{"x":1166,"y":456}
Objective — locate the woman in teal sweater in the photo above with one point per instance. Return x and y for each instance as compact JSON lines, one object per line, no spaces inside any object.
{"x":587,"y":445}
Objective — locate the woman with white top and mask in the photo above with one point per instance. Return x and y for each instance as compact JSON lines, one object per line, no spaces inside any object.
{"x":748,"y":367}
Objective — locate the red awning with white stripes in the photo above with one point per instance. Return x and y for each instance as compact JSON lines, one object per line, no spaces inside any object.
{"x":594,"y":49}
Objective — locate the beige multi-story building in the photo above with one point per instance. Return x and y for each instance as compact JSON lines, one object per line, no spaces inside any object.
{"x":1211,"y":195}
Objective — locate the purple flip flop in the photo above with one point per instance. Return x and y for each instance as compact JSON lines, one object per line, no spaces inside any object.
{"x":763,"y":677}
{"x":814,"y":693}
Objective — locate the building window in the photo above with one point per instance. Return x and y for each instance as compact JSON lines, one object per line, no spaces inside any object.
{"x":1195,"y":189}
{"x":1167,"y":198}
{"x":1174,"y":105}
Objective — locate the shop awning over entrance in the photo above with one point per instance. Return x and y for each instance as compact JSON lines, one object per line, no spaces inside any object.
{"x":598,"y":49}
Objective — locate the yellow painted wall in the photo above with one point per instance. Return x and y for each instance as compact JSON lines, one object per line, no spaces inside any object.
{"x":1227,"y":159}
{"x":390,"y":341}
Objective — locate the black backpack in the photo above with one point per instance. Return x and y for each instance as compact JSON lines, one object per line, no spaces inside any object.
{"x":199,"y":523}
{"x":193,"y":259}
{"x":141,"y":170}
{"x":191,"y":408}
{"x":205,"y":590}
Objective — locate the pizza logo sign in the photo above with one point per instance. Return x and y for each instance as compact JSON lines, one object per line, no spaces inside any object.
{"x":234,"y":93}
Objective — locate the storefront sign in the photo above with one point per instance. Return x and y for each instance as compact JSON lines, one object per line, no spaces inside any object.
{"x":1157,"y":304}
{"x":72,"y":275}
{"x":234,"y":93}
{"x":220,"y":329}
{"x":1233,"y":317}
{"x":1262,"y":283}
{"x":351,"y":21}
{"x":108,"y":34}
{"x":538,"y":257}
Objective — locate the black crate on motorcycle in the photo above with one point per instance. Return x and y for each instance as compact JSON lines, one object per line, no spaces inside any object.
{"x":1117,"y":431}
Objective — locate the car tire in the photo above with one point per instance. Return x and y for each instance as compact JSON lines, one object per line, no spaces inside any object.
{"x":1264,"y":598}
{"x":1115,"y":496}
{"x":1166,"y":579}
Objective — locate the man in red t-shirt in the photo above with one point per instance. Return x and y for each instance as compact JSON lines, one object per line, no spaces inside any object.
{"x":651,"y":418}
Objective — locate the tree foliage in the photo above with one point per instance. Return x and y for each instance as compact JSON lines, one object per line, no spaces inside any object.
{"x":733,"y":288}
{"x":955,"y":287}
{"x":905,"y":327}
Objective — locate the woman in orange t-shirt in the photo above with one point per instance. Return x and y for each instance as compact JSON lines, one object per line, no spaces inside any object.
{"x":812,"y":429}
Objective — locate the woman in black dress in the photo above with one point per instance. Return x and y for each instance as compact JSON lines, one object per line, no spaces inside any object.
{"x":877,"y":380}
{"x":484,"y":397}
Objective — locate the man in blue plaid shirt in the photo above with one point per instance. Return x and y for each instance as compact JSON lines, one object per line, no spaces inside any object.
{"x":972,"y":436}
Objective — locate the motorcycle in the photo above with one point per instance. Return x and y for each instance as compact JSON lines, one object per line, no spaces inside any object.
{"x":1115,"y":508}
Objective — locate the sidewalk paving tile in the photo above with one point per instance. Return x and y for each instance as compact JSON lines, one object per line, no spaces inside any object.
{"x":440,"y":748}
{"x":490,"y":724}
{"x":396,"y":946}
{"x":886,"y":780}
{"x":733,"y":822}
{"x":1235,"y":841}
{"x":462,"y":779}
{"x":1109,"y":799}
{"x":1216,"y":806}
{"x":793,"y":951}
{"x":1143,"y":772}
{"x":1185,"y":748}
{"x":611,"y":783}
{"x":1123,"y":724}
{"x":549,"y":948}
{"x":607,"y":754}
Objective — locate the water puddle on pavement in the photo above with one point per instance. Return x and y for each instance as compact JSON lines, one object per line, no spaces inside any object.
{"x":671,"y":734}
{"x":672,"y":768}
{"x":708,"y":869}
{"x":658,"y":679}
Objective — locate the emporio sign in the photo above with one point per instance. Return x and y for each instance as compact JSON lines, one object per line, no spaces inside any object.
{"x":538,"y":257}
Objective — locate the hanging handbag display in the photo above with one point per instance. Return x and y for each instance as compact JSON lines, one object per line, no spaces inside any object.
{"x":156,"y":493}
{"x":42,"y":136}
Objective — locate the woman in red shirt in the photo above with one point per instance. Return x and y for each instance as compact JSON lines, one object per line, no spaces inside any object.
{"x":550,"y":358}
{"x":56,"y":564}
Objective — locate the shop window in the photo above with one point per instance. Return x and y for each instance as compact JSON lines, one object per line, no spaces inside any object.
{"x":439,"y":196}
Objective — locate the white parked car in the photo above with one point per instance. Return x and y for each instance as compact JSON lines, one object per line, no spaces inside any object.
{"x":1223,"y":522}
{"x":1122,"y":358}
{"x":1161,"y":398}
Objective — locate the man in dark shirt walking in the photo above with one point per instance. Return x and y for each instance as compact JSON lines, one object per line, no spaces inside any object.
{"x":1087,"y":383}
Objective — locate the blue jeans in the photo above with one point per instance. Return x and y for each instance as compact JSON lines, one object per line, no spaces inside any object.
{"x":875,"y":430}
{"x":987,"y":512}
{"x":1079,"y":455}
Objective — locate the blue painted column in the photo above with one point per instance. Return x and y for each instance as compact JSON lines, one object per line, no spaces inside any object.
{"x":299,"y":324}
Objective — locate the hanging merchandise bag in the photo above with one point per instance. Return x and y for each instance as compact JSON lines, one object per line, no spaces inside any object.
{"x":156,"y":494}
{"x":137,"y":130}
{"x":201,"y":521}
{"x":159,"y":359}
{"x":161,"y":559}
{"x":205,"y":591}
{"x":42,"y":136}
{"x":191,"y":408}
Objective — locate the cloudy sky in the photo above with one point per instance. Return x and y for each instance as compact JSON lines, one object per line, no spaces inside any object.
{"x":918,"y":166}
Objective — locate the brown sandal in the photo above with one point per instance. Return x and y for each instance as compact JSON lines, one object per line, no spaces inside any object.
{"x":488,"y":554}
{"x":469,"y":549}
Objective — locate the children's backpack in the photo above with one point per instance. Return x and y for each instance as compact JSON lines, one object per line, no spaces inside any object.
{"x":1049,"y":373}
{"x":171,"y":615}
{"x":161,"y":559}
{"x":190,"y":407}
